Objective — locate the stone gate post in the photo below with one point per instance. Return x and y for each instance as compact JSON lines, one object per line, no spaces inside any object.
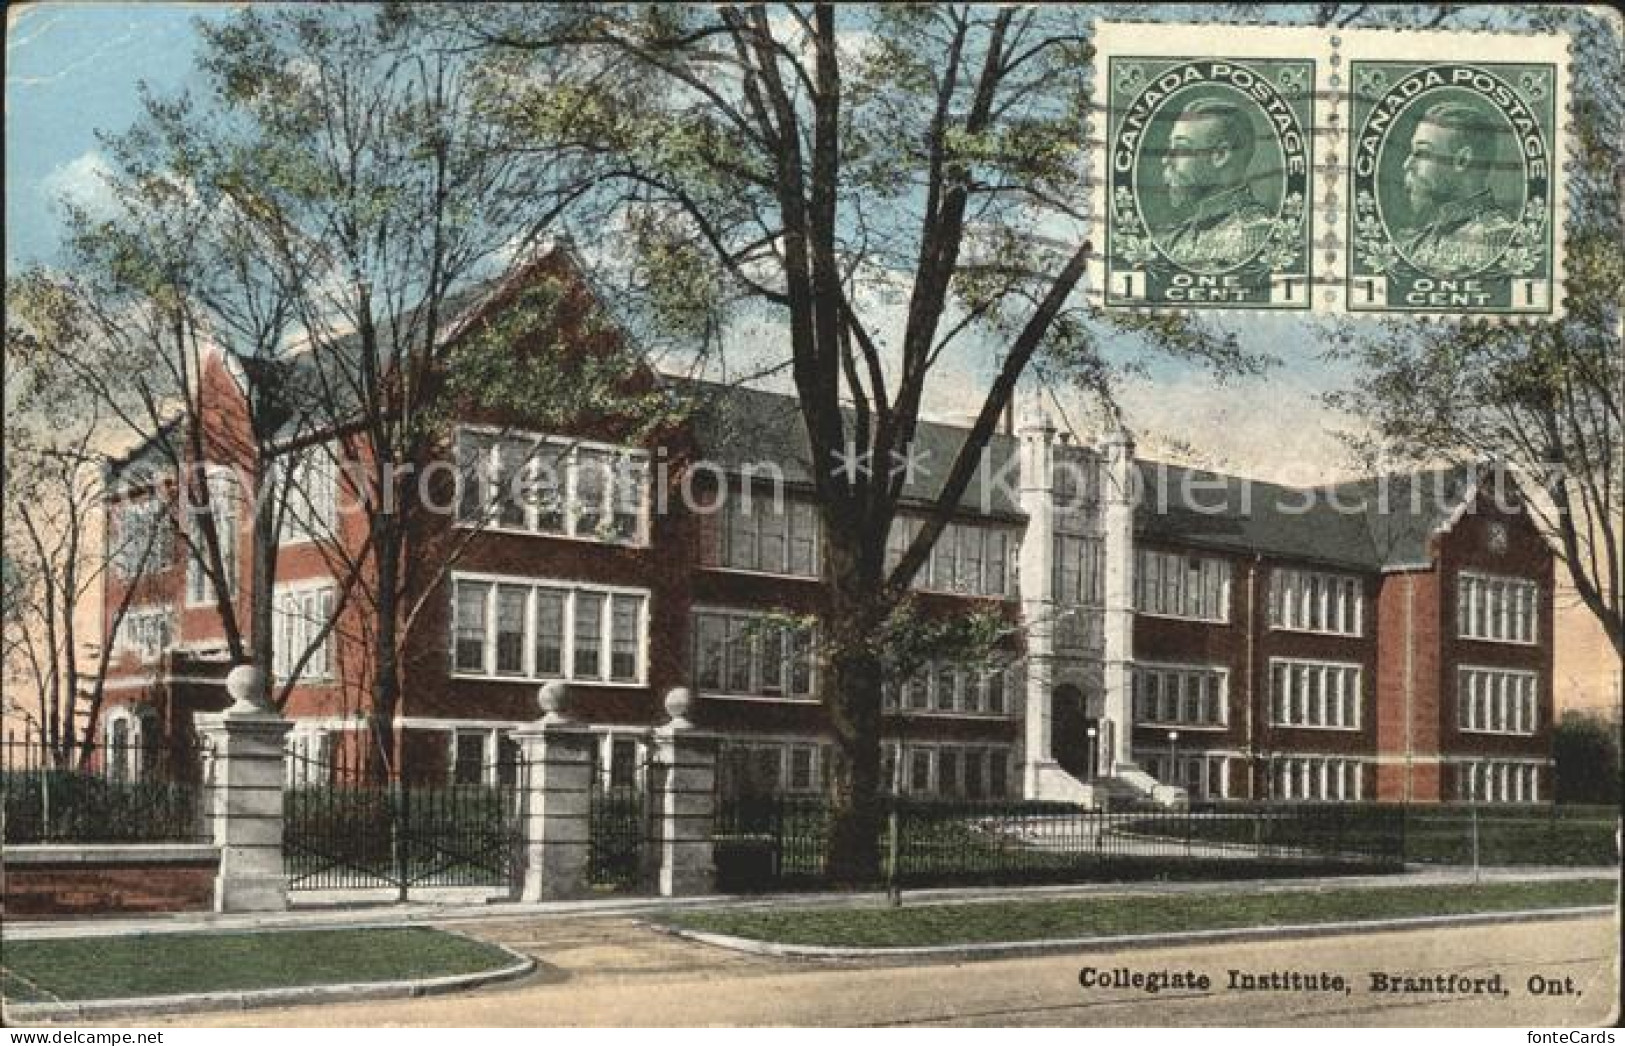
{"x":558,"y":760}
{"x":685,"y":802}
{"x":245,"y":798}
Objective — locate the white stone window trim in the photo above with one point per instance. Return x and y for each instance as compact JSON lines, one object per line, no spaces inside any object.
{"x":228,"y":535}
{"x":124,"y":642}
{"x":1359,"y":697}
{"x":1318,"y":765}
{"x":1226,"y":583}
{"x":724,"y":694}
{"x":296,"y":499}
{"x":135,"y":740}
{"x":1464,"y":621}
{"x":1358,"y":631}
{"x":1223,"y":671}
{"x":721,"y":516}
{"x":572,"y":445}
{"x":895,"y":703}
{"x":300,"y":587}
{"x":527,"y":675}
{"x":924,"y":578}
{"x":1497,"y":670}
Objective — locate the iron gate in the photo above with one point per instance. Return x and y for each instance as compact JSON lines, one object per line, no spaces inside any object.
{"x":343,"y":832}
{"x":619,"y":830}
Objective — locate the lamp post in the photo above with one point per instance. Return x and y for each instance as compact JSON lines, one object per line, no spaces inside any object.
{"x":1173,"y":755}
{"x":1094,"y":754}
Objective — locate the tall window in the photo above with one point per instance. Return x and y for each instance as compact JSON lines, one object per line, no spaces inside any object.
{"x":1174,"y":584}
{"x":1498,"y":782}
{"x":310,"y":511}
{"x":1496,"y":701}
{"x":1315,"y":694}
{"x":1314,"y":777}
{"x":524,"y":629}
{"x":1498,"y":609}
{"x":773,"y":538}
{"x":1078,"y":570}
{"x":1308,"y":601}
{"x":550,"y":485}
{"x":1180,"y":695}
{"x":298,"y":616}
{"x":223,"y":501}
{"x":145,"y":632}
{"x":751,"y":655}
{"x":947,"y":688}
{"x":141,"y":536}
{"x":968,"y":558}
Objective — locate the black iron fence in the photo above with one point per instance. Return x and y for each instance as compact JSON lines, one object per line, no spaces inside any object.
{"x":618,"y":832}
{"x":344,"y":832}
{"x":781,"y":842}
{"x":124,"y":793}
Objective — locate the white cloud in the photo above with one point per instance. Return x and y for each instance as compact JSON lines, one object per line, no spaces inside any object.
{"x":82,"y":181}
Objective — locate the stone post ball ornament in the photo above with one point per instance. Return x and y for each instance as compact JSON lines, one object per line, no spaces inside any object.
{"x":242,"y":683}
{"x":551,"y":698}
{"x":679,"y":702}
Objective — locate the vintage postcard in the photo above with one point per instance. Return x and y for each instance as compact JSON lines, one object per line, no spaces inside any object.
{"x":885,"y":516}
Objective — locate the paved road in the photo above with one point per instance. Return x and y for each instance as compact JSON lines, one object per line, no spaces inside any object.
{"x":617,"y":972}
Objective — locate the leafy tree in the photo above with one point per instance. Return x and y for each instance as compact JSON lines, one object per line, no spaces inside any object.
{"x":1585,"y":747}
{"x":54,"y":554}
{"x":388,"y":207}
{"x":1543,"y":398}
{"x":892,"y":184}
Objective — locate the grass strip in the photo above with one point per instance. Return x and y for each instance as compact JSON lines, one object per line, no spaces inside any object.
{"x":939,"y":924}
{"x":81,"y":968}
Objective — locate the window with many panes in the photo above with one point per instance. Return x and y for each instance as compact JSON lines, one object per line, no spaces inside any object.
{"x":1180,"y":695}
{"x":145,"y":631}
{"x":1498,"y":782}
{"x":300,"y":614}
{"x":309,"y":505}
{"x":551,"y":485}
{"x":968,"y":559}
{"x":1496,"y":700}
{"x":1079,"y":563}
{"x":223,"y":502}
{"x":1202,"y":775}
{"x":765,"y":535}
{"x":749,"y":654}
{"x":1498,"y":609}
{"x":1176,"y":584}
{"x":1314,"y":777}
{"x":141,"y":538}
{"x":944,"y":687}
{"x":946,"y":771}
{"x":1311,"y":601}
{"x":525,"y":629}
{"x":1315,"y":694}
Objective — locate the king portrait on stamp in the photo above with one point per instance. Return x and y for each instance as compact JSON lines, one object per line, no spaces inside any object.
{"x":1447,"y":180}
{"x":1210,"y":152}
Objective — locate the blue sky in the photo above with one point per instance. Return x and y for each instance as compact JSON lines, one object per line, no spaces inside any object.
{"x":74,"y":68}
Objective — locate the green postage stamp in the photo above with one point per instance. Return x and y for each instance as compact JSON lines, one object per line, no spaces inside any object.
{"x":1318,"y":170}
{"x":1210,"y":160}
{"x":1452,"y":181}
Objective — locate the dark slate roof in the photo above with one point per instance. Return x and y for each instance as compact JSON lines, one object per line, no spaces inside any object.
{"x":1373,"y":524}
{"x":738,"y":427}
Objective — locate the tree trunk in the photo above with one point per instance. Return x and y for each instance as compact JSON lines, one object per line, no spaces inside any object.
{"x":850,"y":689}
{"x":386,"y":684}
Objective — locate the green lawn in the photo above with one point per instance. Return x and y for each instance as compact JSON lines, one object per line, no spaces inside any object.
{"x":1112,"y":916}
{"x":80,"y":968}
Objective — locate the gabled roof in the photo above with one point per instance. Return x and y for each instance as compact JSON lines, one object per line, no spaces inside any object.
{"x":1382,"y":523}
{"x":739,"y":427}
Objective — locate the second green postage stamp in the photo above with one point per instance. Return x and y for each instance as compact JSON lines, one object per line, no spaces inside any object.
{"x":1452,"y":178}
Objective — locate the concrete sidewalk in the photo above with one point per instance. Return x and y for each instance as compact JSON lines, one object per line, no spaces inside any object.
{"x":335,"y":915}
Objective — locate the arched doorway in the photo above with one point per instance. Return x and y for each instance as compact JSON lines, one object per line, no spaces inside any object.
{"x":1074,"y":737}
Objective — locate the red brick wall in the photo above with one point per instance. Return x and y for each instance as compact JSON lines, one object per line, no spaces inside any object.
{"x":41,"y":890}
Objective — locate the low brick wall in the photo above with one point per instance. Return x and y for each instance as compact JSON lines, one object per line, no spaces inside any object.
{"x":38,"y":882}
